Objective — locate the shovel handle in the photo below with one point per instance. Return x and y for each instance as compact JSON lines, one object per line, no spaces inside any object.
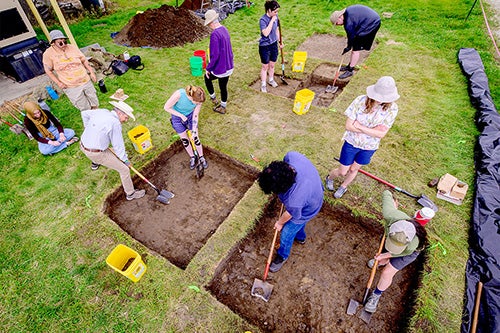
{"x":271,"y":251}
{"x":338,"y":70}
{"x":374,"y":269}
{"x":476,"y":307}
{"x":281,"y":49}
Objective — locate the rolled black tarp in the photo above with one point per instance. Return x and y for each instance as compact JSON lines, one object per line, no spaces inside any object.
{"x":484,"y":239}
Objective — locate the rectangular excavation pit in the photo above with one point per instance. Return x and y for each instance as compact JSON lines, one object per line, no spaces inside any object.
{"x":312,"y":290}
{"x":178,"y":230}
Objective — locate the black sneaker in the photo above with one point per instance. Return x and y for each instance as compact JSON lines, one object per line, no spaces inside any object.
{"x":346,"y":68}
{"x":192,"y":162}
{"x":300,"y":241}
{"x":94,"y":166}
{"x":277,"y":263}
{"x":346,"y":74}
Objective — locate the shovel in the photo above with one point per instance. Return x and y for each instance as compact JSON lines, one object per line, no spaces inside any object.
{"x":282,"y":77}
{"x":353,"y":304}
{"x":261,"y":288}
{"x":423,"y":200}
{"x":199,"y":167}
{"x":332,"y":88}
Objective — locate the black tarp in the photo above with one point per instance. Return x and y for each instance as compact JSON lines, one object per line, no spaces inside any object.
{"x":484,"y":239}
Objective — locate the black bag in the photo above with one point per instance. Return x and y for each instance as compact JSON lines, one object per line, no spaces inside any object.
{"x":135,"y":63}
{"x":118,"y":67}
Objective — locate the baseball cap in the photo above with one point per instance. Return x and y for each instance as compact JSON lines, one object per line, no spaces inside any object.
{"x":401,"y":233}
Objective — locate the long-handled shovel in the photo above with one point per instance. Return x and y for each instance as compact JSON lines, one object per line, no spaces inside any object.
{"x":282,"y":77}
{"x":333,"y":88}
{"x":261,"y":288}
{"x":423,"y":200}
{"x":199,"y":167}
{"x":353,"y":304}
{"x":164,"y":196}
{"x":16,"y":128}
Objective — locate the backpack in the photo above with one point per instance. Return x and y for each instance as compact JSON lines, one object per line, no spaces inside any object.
{"x":118,"y":67}
{"x":135,"y":63}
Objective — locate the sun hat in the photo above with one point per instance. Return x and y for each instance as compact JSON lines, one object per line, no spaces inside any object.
{"x":56,"y":34}
{"x":335,"y":16}
{"x":124,"y":107}
{"x":384,"y":91}
{"x":401,"y":233}
{"x":210,"y":16}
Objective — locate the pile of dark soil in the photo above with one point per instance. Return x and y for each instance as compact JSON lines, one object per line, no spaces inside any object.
{"x":166,"y":26}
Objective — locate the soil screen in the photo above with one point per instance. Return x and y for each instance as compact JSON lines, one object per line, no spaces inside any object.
{"x":177,"y":231}
{"x":312,"y":290}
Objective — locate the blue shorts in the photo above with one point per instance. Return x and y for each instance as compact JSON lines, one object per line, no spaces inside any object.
{"x":268,"y":53}
{"x":350,"y":154}
{"x":181,"y":127}
{"x":401,"y":262}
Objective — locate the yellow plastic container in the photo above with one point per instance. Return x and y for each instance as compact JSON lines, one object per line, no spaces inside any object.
{"x":303,"y":100}
{"x":299,"y":61}
{"x":126,"y":261}
{"x":141,"y":138}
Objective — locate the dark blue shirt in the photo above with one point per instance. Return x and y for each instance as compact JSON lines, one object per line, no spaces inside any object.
{"x":359,"y":20}
{"x":305,"y":198}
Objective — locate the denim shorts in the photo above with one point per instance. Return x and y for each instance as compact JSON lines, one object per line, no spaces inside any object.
{"x":401,"y":262}
{"x":350,"y":154}
{"x":268,"y":53}
{"x":181,"y":127}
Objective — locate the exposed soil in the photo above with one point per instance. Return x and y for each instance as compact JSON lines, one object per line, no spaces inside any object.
{"x":177,"y":231}
{"x":322,"y":76}
{"x":166,"y":26}
{"x":312,"y":290}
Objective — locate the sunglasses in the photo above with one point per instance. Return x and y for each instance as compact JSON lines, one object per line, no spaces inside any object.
{"x":61,"y":42}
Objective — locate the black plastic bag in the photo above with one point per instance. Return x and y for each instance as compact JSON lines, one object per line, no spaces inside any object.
{"x":135,"y":62}
{"x":117,"y":67}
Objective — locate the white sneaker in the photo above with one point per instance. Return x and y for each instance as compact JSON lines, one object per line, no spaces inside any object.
{"x":273,"y":83}
{"x":263,"y":89}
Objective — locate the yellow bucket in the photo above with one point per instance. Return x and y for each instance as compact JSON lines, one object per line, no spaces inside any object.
{"x":141,"y":138}
{"x":299,"y":61}
{"x":126,"y":261}
{"x":303,"y":100}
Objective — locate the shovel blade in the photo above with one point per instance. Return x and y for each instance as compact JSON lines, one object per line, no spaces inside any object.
{"x":352,"y":307}
{"x":331,"y":89}
{"x":425,"y":201}
{"x":163,"y":199}
{"x":166,"y":194}
{"x":283,"y":80}
{"x":365,"y":316}
{"x":262,"y":289}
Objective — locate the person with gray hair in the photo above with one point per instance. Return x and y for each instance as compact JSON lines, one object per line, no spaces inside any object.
{"x":361,"y":24}
{"x":102,"y":129}
{"x":68,"y":67}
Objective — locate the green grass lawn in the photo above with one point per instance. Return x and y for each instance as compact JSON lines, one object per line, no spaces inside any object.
{"x":55,"y":236}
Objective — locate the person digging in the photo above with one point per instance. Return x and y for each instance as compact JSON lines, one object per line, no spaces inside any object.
{"x":405,"y":239}
{"x":298,"y":185}
{"x":361,"y":24}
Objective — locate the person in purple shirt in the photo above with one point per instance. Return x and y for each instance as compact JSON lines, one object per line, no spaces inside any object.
{"x":220,"y":65}
{"x":268,"y":43}
{"x":361,"y":24}
{"x":298,"y":185}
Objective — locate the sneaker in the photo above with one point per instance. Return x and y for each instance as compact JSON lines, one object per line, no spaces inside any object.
{"x":301,"y":241}
{"x":371,"y":262}
{"x":215,"y":101}
{"x":137,"y":194}
{"x":273,"y":83}
{"x":220,"y":109}
{"x":94,"y":166}
{"x":329,"y":183}
{"x":204,"y":162}
{"x":340,"y":192}
{"x":346,"y":68}
{"x":263,"y":89}
{"x":192,"y":162}
{"x":372,"y":302}
{"x":277,"y":263}
{"x":73,"y":140}
{"x":346,"y":74}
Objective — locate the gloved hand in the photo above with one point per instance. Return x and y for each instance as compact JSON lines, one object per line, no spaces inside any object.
{"x":347,"y":49}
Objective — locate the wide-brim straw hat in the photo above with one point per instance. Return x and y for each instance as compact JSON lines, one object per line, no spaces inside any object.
{"x":210,"y":16}
{"x":335,"y":16}
{"x":384,"y":91}
{"x":124,"y":107}
{"x":56,"y":34}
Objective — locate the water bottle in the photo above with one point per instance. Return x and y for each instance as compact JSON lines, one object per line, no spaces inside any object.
{"x":52,"y":92}
{"x":102,"y":86}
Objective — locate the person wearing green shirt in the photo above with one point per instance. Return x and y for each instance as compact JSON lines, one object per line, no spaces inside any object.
{"x":405,"y":238}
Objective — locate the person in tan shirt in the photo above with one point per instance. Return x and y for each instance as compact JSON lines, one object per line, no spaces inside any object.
{"x":68,"y":67}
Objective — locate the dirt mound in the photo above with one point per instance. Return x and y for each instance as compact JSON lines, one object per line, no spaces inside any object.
{"x":166,"y":26}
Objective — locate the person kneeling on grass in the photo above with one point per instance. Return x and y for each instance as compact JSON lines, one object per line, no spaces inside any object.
{"x":184,"y":105}
{"x":405,"y":239}
{"x":299,"y":187}
{"x":47,"y":130}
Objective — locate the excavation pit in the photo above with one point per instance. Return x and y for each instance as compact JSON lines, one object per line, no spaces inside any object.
{"x":312,"y":290}
{"x":178,"y":230}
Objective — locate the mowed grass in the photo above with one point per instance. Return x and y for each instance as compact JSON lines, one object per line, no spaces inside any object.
{"x":55,"y":237}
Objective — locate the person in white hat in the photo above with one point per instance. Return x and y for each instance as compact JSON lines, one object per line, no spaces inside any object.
{"x":103,"y":128}
{"x":361,"y":24}
{"x":369,"y":118}
{"x":68,"y":67}
{"x":405,"y":239}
